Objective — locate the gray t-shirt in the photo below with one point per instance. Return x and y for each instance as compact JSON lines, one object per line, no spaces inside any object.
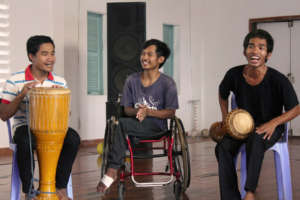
{"x":162,"y":94}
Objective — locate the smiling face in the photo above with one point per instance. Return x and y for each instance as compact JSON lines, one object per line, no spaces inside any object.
{"x":256,"y":52}
{"x":44,"y":59}
{"x":150,"y":59}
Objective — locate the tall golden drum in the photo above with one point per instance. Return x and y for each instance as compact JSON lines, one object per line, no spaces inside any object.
{"x":49,"y":115}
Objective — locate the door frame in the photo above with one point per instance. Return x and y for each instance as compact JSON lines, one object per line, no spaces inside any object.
{"x":254,"y":21}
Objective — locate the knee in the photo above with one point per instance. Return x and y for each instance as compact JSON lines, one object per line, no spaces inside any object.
{"x":217,"y":150}
{"x":22,"y":139}
{"x":72,"y":138}
{"x":221,"y":150}
{"x":256,"y":141}
{"x":124,"y":120}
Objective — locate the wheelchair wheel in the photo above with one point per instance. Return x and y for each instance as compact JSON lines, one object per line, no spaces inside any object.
{"x":181,"y":158}
{"x":121,"y":190}
{"x":108,"y":140}
{"x":177,"y":189}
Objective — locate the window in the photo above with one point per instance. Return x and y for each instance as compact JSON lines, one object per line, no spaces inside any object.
{"x":172,"y":39}
{"x":4,"y":42}
{"x":168,"y":37}
{"x":95,"y":54}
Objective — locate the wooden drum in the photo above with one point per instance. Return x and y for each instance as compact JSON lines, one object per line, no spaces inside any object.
{"x":49,"y":116}
{"x":238,"y":124}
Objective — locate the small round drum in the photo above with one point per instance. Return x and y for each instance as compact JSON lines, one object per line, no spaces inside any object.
{"x":238,"y":124}
{"x":49,"y":114}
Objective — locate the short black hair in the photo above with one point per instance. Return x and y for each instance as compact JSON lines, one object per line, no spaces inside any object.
{"x":262,"y":34}
{"x":162,"y":49}
{"x":34,"y":43}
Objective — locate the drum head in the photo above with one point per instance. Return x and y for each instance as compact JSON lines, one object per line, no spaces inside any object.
{"x":239,"y":123}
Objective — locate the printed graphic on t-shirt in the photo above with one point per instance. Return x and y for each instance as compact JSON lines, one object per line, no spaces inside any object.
{"x":150,"y":102}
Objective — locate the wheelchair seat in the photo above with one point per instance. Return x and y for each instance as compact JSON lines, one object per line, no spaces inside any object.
{"x":137,"y":140}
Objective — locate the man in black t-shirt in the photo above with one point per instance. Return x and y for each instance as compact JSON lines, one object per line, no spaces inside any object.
{"x":264,"y":93}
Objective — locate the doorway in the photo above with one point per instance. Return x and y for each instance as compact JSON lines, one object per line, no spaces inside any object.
{"x":285,"y":57}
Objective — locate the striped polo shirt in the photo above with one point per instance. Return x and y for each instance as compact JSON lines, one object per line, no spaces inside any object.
{"x":14,"y":86}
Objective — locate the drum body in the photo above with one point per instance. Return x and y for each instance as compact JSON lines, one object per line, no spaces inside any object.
{"x":238,"y":124}
{"x":49,"y":115}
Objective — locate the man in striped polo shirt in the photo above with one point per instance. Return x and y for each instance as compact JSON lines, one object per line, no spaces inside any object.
{"x":41,"y":54}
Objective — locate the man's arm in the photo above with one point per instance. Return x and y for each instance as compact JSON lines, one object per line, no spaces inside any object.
{"x":8,"y":110}
{"x":143,"y":112}
{"x":161,"y":114}
{"x":269,"y":127}
{"x":131,"y":112}
{"x":224,"y":107}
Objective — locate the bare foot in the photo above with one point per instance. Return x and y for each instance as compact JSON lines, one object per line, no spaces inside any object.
{"x":62,"y":194}
{"x":112,"y":173}
{"x":249,"y":196}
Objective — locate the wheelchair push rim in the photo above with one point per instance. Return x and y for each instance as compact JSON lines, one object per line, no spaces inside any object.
{"x":108,"y":140}
{"x":181,"y":158}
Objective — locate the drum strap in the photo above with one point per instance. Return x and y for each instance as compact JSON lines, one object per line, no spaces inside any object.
{"x":31,"y":187}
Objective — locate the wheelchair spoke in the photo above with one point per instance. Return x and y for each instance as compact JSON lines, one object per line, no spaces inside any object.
{"x":181,"y":155}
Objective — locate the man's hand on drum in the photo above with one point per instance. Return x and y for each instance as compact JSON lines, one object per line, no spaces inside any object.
{"x":267,"y":129}
{"x":28,"y":86}
{"x":142,"y":113}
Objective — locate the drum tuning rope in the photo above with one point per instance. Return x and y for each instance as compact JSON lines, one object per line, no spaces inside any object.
{"x":32,"y":193}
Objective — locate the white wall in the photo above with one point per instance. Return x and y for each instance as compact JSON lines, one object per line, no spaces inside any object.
{"x":211,"y":35}
{"x":71,"y":56}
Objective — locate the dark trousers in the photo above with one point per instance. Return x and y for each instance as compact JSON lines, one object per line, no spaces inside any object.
{"x":226,"y":152}
{"x":65,"y":162}
{"x":130,"y":127}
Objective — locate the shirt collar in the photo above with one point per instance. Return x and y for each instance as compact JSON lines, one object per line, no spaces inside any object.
{"x":29,"y":76}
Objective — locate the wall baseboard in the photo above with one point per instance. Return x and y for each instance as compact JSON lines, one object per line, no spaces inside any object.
{"x":5,"y":151}
{"x":90,"y":143}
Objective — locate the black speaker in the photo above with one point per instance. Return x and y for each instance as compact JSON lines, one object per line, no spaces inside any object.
{"x":126,"y":32}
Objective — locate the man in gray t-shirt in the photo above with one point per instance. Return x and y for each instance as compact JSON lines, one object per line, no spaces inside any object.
{"x":162,"y":94}
{"x":149,"y":98}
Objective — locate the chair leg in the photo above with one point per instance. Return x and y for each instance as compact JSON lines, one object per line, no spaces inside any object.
{"x":70,"y":188}
{"x":15,"y":192}
{"x":283,"y":173}
{"x":243,"y":172}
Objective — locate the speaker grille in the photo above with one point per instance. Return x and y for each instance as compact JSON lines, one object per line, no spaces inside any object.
{"x":126,"y":32}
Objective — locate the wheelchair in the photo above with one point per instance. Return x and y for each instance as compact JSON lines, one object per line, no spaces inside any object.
{"x":171,"y":144}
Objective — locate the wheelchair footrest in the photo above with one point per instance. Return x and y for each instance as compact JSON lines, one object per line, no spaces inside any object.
{"x":151,"y":184}
{"x":145,"y":156}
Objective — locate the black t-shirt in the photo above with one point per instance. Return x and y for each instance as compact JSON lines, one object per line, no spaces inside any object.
{"x":264,"y":101}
